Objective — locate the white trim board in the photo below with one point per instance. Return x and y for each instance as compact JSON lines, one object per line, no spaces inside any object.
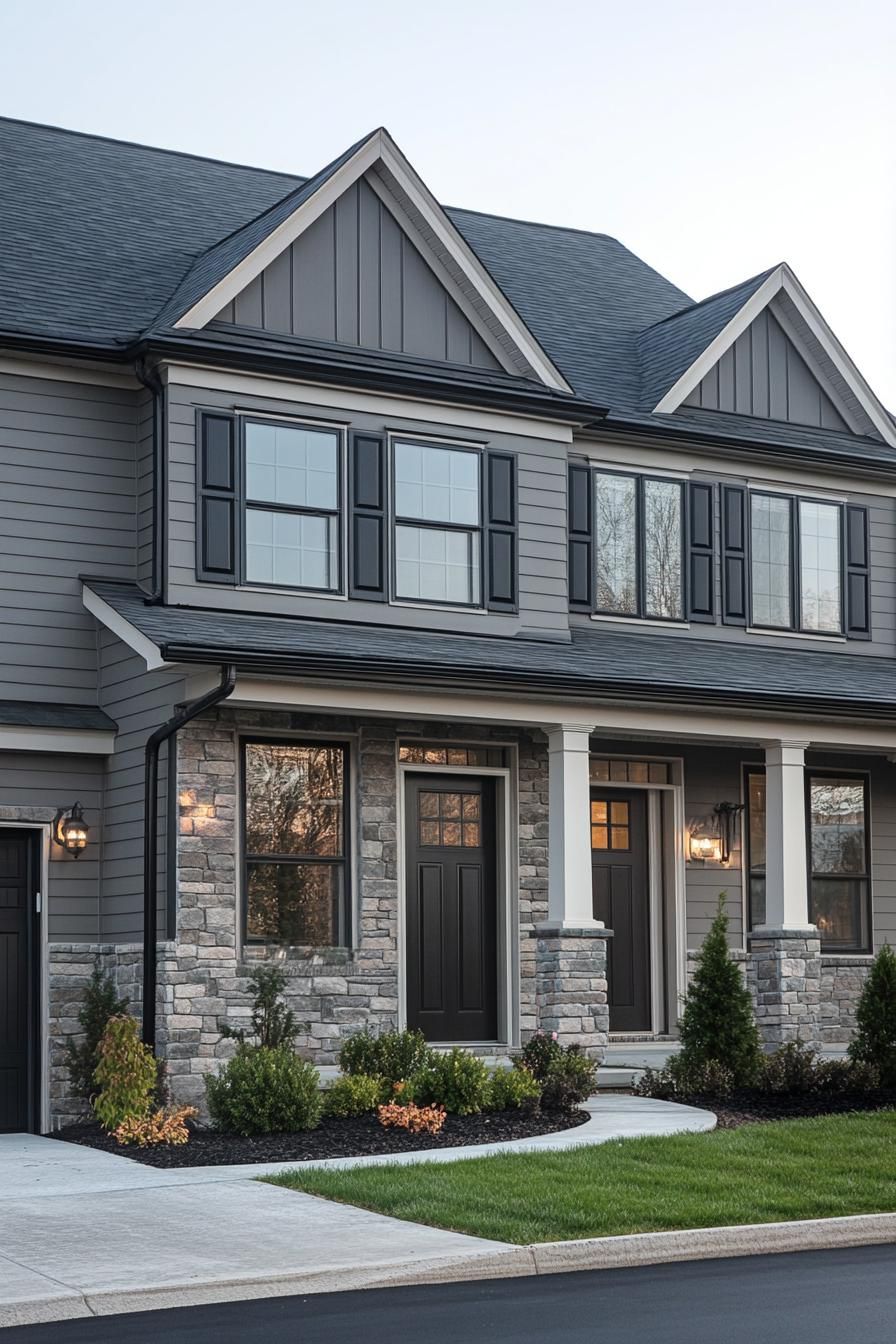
{"x":66,"y":741}
{"x":127,"y":633}
{"x":380,"y":151}
{"x":782,"y":279}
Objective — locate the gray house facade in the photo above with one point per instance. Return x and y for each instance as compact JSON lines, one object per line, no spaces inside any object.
{"x":444,"y":605}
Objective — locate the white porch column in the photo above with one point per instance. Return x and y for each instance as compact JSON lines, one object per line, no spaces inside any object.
{"x":786,"y":875}
{"x":569,"y":828}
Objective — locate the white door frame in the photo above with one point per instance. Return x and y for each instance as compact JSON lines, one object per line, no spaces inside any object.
{"x":44,"y":827}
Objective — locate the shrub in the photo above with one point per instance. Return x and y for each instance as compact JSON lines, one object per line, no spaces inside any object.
{"x":353,"y":1094}
{"x":875,"y":1040}
{"x":837,"y":1076}
{"x":392,"y":1055}
{"x":454,"y":1079}
{"x":264,"y":1091}
{"x":166,"y":1125}
{"x":101,"y":1002}
{"x":681,"y":1080}
{"x":717,"y":1025}
{"x":126,"y":1074}
{"x":539,"y":1054}
{"x":791,"y":1069}
{"x":571,"y":1079}
{"x":417,"y":1119}
{"x":273,"y":1024}
{"x":513,"y":1090}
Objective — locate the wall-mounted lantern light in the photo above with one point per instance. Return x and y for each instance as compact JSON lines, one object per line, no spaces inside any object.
{"x":70,"y":830}
{"x":705,"y":847}
{"x":727,"y":815}
{"x":716,"y":847}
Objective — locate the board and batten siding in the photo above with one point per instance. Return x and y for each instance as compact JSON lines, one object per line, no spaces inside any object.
{"x":543,"y":607}
{"x":138,"y":701}
{"x":355,"y":277}
{"x":67,"y":507}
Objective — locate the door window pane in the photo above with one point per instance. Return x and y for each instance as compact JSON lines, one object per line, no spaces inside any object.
{"x":616,"y":543}
{"x":437,"y":566}
{"x":820,"y":566}
{"x":291,"y":464}
{"x":294,"y":549}
{"x":438,"y":485}
{"x":662,"y":549}
{"x":770,"y":537}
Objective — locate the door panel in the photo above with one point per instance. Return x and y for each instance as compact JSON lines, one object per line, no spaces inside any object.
{"x":18,"y":984}
{"x":621,"y":899}
{"x":452,"y":912}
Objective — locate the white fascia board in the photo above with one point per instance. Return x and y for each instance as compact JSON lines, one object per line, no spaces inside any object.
{"x":717,"y":347}
{"x":21,"y":366}
{"x":65,"y":741}
{"x":127,"y":633}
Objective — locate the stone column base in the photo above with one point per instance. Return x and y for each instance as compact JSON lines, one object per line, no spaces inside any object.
{"x":571,"y":986}
{"x":784,"y":974}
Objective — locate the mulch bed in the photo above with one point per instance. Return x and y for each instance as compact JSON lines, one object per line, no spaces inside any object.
{"x":746,"y":1107}
{"x":359,"y":1137}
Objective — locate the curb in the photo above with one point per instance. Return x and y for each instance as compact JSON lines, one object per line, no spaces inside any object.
{"x":626,"y":1252}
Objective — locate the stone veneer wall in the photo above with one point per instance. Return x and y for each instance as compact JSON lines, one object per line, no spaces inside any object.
{"x":571,"y":978}
{"x":784,"y":973}
{"x":842,"y":979}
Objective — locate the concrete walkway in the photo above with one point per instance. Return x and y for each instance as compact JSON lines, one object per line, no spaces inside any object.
{"x":89,"y":1233}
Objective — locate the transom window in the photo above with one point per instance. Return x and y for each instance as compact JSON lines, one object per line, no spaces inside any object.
{"x":295,"y":810}
{"x":292,"y":476}
{"x":438,"y":523}
{"x":610,"y":824}
{"x":639,"y":541}
{"x":628,"y":772}
{"x":795,"y":564}
{"x":430,"y":753}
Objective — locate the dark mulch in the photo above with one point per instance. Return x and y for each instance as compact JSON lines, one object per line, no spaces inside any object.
{"x":747,"y":1107}
{"x":334,"y":1138}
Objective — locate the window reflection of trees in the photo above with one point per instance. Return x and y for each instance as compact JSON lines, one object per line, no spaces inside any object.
{"x":662,"y":540}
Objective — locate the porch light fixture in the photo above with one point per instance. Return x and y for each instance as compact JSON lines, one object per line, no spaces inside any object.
{"x":70,"y":830}
{"x":705,"y":847}
{"x":727,"y":815}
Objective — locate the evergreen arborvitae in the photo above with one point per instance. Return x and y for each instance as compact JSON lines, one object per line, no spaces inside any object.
{"x":273,"y":1024}
{"x":717,"y":1025}
{"x":101,"y":1002}
{"x":875,"y":1040}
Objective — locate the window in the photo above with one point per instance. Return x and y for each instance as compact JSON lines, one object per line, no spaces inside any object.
{"x":787,"y":593}
{"x":438,"y":529}
{"x":431,"y":753}
{"x":295,"y":798}
{"x":838,"y":856}
{"x":610,"y":824}
{"x":292,"y":482}
{"x":628,"y":772}
{"x":638,"y":546}
{"x":839,"y":863}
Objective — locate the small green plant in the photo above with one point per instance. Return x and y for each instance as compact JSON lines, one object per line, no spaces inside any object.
{"x":273,"y":1024}
{"x":391,"y":1055}
{"x":354,"y":1094}
{"x":571,"y":1080}
{"x":101,"y":1002}
{"x":513,"y":1090}
{"x":681,"y":1080}
{"x":264,"y":1090}
{"x":540,"y":1054}
{"x":454,"y":1079}
{"x":875,"y":1040}
{"x":126,"y":1074}
{"x":717,"y":1024}
{"x":791,"y":1070}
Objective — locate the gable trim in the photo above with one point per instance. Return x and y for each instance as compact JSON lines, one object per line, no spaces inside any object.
{"x":127,"y":633}
{"x":783,"y":279}
{"x":381,"y":150}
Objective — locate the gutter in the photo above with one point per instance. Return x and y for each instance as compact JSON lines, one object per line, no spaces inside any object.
{"x":182,"y":715}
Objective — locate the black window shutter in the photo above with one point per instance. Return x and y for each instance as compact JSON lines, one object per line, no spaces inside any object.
{"x":581,"y":539}
{"x":367,"y":524}
{"x":217,"y":498}
{"x":501,"y":532}
{"x":701,"y":551}
{"x":858,"y":604}
{"x":734,"y":555}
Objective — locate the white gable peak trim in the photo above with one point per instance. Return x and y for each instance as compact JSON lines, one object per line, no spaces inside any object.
{"x":782,"y":279}
{"x":380,"y":152}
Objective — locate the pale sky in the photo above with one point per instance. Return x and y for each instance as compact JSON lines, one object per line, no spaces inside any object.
{"x":712,"y":138}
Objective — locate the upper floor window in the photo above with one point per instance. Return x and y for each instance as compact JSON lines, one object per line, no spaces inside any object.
{"x":795,"y":564}
{"x":438,"y":523}
{"x":639,"y":539}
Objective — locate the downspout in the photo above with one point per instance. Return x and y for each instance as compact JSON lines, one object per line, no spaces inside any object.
{"x":150,"y":379}
{"x":182,"y":715}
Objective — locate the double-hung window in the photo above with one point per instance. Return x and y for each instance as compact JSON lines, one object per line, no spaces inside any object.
{"x":639,"y":539}
{"x":796,"y":564}
{"x":438,"y":523}
{"x":295,"y":826}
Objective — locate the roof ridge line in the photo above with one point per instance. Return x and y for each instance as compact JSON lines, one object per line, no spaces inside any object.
{"x":710,"y":298}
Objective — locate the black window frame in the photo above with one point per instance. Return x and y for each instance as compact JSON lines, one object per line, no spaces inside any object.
{"x":397,"y":520}
{"x":345,"y":921}
{"x":796,"y":625}
{"x":337,"y":513}
{"x":640,"y":479}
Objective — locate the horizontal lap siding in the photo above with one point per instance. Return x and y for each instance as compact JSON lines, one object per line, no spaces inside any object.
{"x":542,"y":527}
{"x":67,"y":506}
{"x":713,"y":775}
{"x":138,"y":701}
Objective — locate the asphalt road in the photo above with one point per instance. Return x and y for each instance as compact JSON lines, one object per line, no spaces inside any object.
{"x":817,"y":1297}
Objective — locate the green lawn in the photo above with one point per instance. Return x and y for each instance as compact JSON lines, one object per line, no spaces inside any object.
{"x":764,"y":1173}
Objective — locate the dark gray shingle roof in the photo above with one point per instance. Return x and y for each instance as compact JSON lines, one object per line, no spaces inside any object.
{"x":36,"y":714}
{"x":596,"y":664}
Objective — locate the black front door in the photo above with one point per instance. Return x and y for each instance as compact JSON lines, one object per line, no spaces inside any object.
{"x":621,"y":899}
{"x":18,"y":983}
{"x":452,"y":910}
